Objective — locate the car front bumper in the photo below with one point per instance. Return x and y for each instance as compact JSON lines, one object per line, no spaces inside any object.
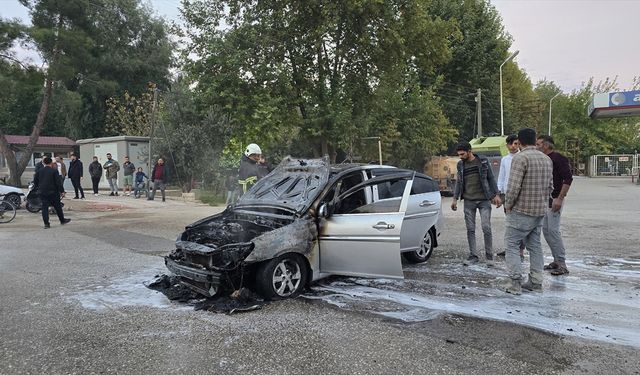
{"x":203,"y":281}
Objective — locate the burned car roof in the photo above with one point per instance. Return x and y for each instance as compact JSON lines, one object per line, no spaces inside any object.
{"x":293,"y":185}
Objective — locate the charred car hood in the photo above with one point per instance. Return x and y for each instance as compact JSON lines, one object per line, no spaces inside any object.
{"x":293,"y":185}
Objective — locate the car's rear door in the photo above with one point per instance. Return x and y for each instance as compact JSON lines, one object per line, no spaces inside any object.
{"x":365,"y":240}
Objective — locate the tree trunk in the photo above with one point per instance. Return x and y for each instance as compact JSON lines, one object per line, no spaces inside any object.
{"x":17,"y":167}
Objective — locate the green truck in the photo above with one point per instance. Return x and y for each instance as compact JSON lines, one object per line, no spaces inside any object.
{"x":494,"y":148}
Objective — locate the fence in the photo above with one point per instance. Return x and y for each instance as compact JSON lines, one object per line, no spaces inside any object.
{"x":613,"y":165}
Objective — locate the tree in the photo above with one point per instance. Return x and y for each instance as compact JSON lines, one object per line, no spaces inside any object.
{"x":313,"y":69}
{"x":92,"y":50}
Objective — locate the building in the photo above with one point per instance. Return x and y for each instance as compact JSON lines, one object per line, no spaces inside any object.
{"x":46,"y":146}
{"x":136,"y":148}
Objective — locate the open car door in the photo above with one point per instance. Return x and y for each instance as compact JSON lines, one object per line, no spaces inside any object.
{"x":361,"y":237}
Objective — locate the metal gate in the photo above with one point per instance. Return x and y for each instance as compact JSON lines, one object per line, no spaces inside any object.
{"x":613,"y":165}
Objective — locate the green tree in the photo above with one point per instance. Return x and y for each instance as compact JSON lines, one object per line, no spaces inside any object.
{"x":313,"y":69}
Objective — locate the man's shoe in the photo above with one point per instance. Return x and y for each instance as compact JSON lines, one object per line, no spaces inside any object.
{"x":76,"y":198}
{"x":531,"y":286}
{"x":501,"y":254}
{"x":551,"y":266}
{"x":64,"y":221}
{"x":490,"y":263}
{"x":116,"y":193}
{"x":47,"y":226}
{"x":515,"y":287}
{"x":470,"y":260}
{"x":111,"y":195}
{"x":96,"y":194}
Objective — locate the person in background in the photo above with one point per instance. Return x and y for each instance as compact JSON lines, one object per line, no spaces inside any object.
{"x":111,"y":168}
{"x":231,"y":185}
{"x":503,"y":177}
{"x":477,"y":186}
{"x":159,"y":178}
{"x":129,"y":169}
{"x":75,"y":175}
{"x":95,"y":171}
{"x":62,"y":168}
{"x":562,"y":179}
{"x":526,"y":202}
{"x":49,"y":185}
{"x":249,"y":171}
{"x":139,"y":182}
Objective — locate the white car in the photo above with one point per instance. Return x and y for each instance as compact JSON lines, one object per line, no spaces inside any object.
{"x":307,"y":220}
{"x":11,"y":194}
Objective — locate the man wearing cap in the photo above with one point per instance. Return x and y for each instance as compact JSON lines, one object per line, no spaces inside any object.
{"x":249,"y":171}
{"x":562,"y":179}
{"x":526,"y":203}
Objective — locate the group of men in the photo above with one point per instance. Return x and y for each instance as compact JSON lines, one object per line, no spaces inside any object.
{"x":532,"y":184}
{"x":49,"y":178}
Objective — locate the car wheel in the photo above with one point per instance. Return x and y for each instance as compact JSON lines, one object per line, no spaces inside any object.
{"x":30,"y":208}
{"x":282,"y":277}
{"x":424,"y":252}
{"x":14,"y":199}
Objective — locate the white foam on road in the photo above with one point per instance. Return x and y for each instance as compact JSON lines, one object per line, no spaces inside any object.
{"x":598,"y":300}
{"x":127,"y":291}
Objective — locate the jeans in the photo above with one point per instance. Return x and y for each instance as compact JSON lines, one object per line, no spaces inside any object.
{"x":521,"y":227}
{"x":138,"y":188}
{"x":484,"y":207}
{"x":95,"y":181}
{"x":51,"y":199}
{"x":552,"y":234}
{"x":231,"y":197}
{"x":157,"y":185}
{"x":113,"y":184}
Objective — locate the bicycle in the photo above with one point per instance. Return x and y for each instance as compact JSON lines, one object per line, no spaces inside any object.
{"x":7,"y":212}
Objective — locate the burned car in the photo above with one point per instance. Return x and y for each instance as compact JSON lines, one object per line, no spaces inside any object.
{"x":307,"y":220}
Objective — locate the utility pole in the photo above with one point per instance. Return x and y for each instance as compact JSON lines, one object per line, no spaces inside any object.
{"x":479,"y":111}
{"x":153,"y":124}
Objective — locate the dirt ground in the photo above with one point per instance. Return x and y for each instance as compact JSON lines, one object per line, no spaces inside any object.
{"x":73,"y":300}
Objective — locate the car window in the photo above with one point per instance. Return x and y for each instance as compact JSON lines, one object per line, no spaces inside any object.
{"x":423,"y":185}
{"x":392,"y":191}
{"x":342,"y":185}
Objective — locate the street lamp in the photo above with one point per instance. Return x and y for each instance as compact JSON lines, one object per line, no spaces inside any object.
{"x":550,"y":111}
{"x":501,"y":107}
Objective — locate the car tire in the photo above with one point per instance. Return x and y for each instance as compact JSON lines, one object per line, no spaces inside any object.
{"x":424,"y":252}
{"x":30,"y":208}
{"x":14,"y":199}
{"x":282,"y":277}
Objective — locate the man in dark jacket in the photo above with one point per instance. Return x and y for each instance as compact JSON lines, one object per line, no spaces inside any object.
{"x":477,"y":186}
{"x":49,"y":186}
{"x":159,"y":178}
{"x":75,"y":173}
{"x":95,"y":171}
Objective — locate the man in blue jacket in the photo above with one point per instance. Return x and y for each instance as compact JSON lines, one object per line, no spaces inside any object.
{"x":477,"y":186}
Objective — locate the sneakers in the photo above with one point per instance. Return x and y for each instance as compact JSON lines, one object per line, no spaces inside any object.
{"x":96,"y":194}
{"x":470,"y":260}
{"x":76,"y":198}
{"x":64,"y":221}
{"x":531,"y":286}
{"x":514,"y":288}
{"x":47,"y":226}
{"x":116,"y":193}
{"x":127,"y":194}
{"x":111,"y":195}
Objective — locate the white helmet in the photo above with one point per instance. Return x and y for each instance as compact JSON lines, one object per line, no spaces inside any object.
{"x":252,"y":148}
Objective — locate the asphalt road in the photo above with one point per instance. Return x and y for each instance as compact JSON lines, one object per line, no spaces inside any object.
{"x":73,"y":300}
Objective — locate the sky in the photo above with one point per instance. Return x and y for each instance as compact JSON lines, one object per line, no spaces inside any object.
{"x":564,"y":41}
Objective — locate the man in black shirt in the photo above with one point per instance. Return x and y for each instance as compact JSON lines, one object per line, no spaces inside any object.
{"x":49,"y":186}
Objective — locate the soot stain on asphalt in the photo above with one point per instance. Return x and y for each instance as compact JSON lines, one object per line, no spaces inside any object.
{"x":241,"y":300}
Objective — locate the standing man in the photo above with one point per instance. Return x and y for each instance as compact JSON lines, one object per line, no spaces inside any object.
{"x":128,"y":169}
{"x":95,"y":170}
{"x":526,"y":204}
{"x":112,"y":167}
{"x":250,"y":170}
{"x":159,"y":178}
{"x":477,"y":186}
{"x":75,"y":174}
{"x":62,"y":168}
{"x":503,"y":177}
{"x":562,"y":179}
{"x":49,"y":185}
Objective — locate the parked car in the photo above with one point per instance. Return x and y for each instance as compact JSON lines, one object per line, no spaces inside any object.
{"x":11,"y":194}
{"x":307,"y":220}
